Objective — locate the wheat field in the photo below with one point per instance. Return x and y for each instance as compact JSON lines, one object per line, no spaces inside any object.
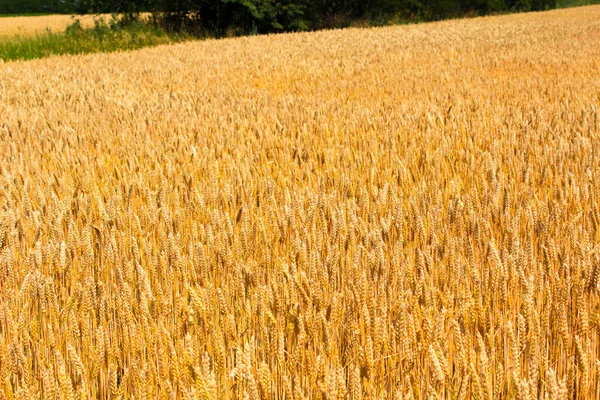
{"x":390,"y":213}
{"x":31,"y":25}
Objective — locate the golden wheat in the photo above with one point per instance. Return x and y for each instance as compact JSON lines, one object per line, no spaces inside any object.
{"x":400,"y":212}
{"x":25,"y":26}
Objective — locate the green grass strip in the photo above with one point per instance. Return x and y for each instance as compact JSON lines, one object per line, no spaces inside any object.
{"x":76,"y":40}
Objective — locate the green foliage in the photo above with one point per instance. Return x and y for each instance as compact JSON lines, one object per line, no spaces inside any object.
{"x":35,"y":6}
{"x":495,"y":6}
{"x":522,"y":5}
{"x":270,"y":14}
{"x":242,"y":17}
{"x":103,"y":37}
{"x":575,"y":3}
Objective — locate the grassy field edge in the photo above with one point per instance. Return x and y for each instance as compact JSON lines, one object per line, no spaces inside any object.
{"x":78,"y":40}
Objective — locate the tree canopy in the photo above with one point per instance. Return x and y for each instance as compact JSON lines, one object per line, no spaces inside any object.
{"x":219,"y":17}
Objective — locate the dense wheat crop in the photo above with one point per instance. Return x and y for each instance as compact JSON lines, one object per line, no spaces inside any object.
{"x":401,"y":212}
{"x":10,"y":26}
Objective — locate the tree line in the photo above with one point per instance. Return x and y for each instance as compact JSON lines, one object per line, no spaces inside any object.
{"x":224,"y":17}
